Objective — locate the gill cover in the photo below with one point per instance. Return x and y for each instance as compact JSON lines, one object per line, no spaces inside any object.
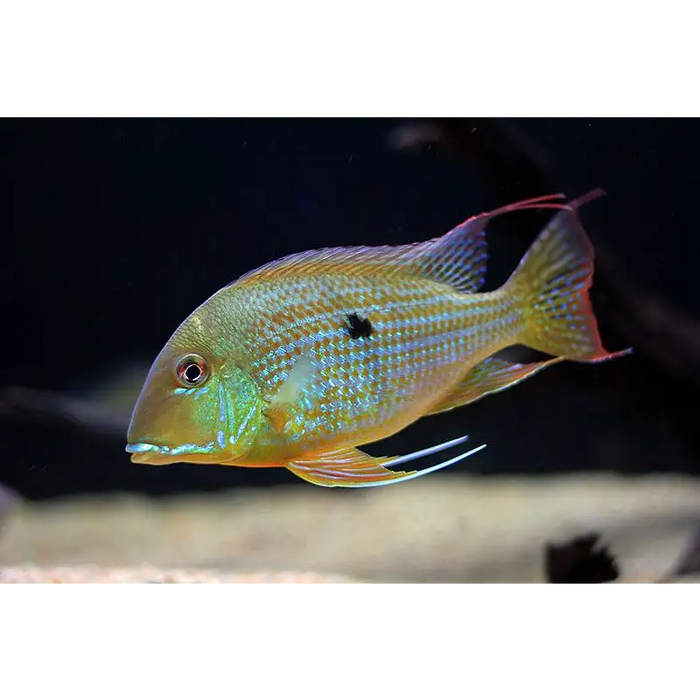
{"x":243,"y":406}
{"x":217,"y":422}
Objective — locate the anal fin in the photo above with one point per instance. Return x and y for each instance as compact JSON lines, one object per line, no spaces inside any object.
{"x":488,"y":377}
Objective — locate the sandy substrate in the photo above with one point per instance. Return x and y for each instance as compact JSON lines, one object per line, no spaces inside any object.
{"x":449,"y":529}
{"x":150,"y":574}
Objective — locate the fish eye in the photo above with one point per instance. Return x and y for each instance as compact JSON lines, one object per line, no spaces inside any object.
{"x":192,"y":370}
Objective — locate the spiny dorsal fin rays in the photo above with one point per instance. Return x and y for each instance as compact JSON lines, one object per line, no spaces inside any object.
{"x":458,"y":259}
{"x":444,"y":258}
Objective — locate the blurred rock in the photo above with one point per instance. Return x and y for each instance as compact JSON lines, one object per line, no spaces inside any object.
{"x":580,"y":560}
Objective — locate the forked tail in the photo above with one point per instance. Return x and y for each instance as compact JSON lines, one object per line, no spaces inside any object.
{"x":551,"y":287}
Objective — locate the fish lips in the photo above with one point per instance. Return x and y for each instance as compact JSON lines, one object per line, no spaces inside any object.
{"x":150,"y":453}
{"x":143,"y":451}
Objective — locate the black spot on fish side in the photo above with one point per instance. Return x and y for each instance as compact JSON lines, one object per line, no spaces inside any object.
{"x":580,"y":561}
{"x":359,"y":327}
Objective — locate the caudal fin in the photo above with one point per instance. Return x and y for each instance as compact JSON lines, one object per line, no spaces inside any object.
{"x":551,"y":287}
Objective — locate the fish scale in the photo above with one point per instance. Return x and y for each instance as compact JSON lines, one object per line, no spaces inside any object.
{"x":423,"y":336}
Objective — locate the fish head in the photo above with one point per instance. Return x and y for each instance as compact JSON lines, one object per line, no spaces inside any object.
{"x":197,"y":404}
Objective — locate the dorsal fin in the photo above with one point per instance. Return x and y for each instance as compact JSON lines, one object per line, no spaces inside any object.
{"x":458,"y":258}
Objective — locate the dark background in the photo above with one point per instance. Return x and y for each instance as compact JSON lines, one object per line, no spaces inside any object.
{"x":114,"y":230}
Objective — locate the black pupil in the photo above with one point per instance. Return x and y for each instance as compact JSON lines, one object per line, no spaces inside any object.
{"x":192,"y":372}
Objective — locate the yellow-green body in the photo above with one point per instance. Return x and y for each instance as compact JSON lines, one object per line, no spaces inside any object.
{"x":425,"y":337}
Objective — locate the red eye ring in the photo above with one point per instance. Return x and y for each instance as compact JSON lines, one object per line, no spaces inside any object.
{"x":192,"y":370}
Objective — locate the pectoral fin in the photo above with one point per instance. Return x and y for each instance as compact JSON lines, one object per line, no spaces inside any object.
{"x":347,"y":467}
{"x":281,"y":408}
{"x":488,"y":377}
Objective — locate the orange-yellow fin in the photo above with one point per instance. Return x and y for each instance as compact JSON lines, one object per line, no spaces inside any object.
{"x":457,"y":258}
{"x":352,"y":468}
{"x":348,"y":467}
{"x":551,"y":288}
{"x":489,"y":377}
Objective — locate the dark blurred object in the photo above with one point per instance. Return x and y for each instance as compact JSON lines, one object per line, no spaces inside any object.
{"x":515,"y":169}
{"x":414,"y":137}
{"x":666,"y":340}
{"x":39,"y":409}
{"x":511,"y":165}
{"x":580,"y":561}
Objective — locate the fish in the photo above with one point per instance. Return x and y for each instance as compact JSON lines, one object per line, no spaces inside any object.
{"x":302,"y":361}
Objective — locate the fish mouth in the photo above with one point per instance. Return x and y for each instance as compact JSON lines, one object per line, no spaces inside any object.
{"x":138,"y":448}
{"x":147,"y":452}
